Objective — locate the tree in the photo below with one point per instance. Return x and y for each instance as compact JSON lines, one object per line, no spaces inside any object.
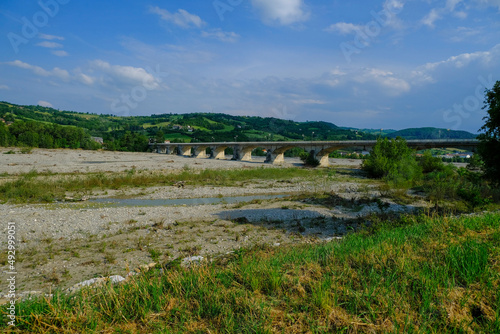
{"x":430,"y":163}
{"x":489,"y":146}
{"x":392,"y":160}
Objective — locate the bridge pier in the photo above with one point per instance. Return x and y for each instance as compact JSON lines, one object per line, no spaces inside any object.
{"x":218,"y":152}
{"x":245,"y":152}
{"x":275,"y":158}
{"x":323,"y":160}
{"x":184,"y":150}
{"x":200,"y":151}
{"x":236,"y":153}
{"x":161,"y":149}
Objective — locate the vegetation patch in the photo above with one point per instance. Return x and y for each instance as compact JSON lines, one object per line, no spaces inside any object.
{"x":35,"y":187}
{"x":415,"y":274}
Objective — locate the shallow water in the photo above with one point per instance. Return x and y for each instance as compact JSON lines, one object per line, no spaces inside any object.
{"x":120,"y":202}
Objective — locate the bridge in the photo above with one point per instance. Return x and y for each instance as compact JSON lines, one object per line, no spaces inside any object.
{"x":276,"y":149}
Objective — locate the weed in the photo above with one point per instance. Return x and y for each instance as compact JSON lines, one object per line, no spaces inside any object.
{"x":191,"y":251}
{"x":110,"y":258}
{"x":155,"y":254}
{"x":53,"y":277}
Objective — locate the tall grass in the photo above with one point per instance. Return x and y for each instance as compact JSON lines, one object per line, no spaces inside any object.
{"x":415,"y":275}
{"x":33,"y":187}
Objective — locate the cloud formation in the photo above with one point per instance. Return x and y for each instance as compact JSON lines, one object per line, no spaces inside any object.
{"x":223,"y":36}
{"x":284,"y":12}
{"x":344,"y":28}
{"x":60,"y":53}
{"x":55,"y":72}
{"x":181,"y":19}
{"x":127,"y":74}
{"x":439,"y":13}
{"x":50,"y":45}
{"x":50,"y":37}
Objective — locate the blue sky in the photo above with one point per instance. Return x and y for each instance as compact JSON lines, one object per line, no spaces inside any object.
{"x":365,"y":64}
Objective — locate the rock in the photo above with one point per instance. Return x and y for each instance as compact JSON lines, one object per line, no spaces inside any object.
{"x":114,"y":279}
{"x":188,"y":262}
{"x":145,"y":268}
{"x":331,"y":239}
{"x":179,"y":184}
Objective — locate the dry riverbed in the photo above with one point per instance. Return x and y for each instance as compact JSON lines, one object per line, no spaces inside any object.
{"x":61,"y":244}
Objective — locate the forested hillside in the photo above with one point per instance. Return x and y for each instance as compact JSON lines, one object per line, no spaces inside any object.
{"x":37,"y":126}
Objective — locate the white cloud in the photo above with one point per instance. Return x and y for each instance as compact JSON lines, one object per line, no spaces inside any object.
{"x":394,"y":6}
{"x":4,"y":87}
{"x":223,"y":36}
{"x":60,"y":53}
{"x":50,"y":37}
{"x":308,"y":101}
{"x":438,"y":13}
{"x":85,"y":79}
{"x":462,"y":33}
{"x":284,"y":12}
{"x":451,"y":4}
{"x":464,"y":59}
{"x":36,"y":69}
{"x":55,"y":72}
{"x":127,"y":74}
{"x":492,"y":3}
{"x":344,"y":28}
{"x":50,"y":45}
{"x":432,"y":17}
{"x":45,"y":104}
{"x":182,"y":18}
{"x":475,"y":62}
{"x":391,"y":84}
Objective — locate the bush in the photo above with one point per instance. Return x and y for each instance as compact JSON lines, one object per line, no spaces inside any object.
{"x":393,"y":160}
{"x":309,"y":159}
{"x":430,"y":163}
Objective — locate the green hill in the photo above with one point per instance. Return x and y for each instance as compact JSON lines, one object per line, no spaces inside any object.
{"x":431,"y":133}
{"x":38,"y":126}
{"x":125,"y":132}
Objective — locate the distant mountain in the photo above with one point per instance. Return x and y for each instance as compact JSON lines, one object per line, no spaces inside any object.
{"x":431,"y":133}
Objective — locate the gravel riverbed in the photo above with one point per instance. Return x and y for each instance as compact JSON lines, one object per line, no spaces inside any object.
{"x":61,"y":244}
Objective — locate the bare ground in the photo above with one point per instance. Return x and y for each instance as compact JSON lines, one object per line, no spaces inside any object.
{"x":59,"y":245}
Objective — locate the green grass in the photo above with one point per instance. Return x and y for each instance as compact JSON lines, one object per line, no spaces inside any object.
{"x":416,"y":274}
{"x":34,"y":187}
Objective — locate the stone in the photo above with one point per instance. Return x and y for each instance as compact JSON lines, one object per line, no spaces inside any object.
{"x":188,"y":262}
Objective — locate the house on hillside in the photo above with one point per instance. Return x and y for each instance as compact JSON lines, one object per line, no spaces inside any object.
{"x":98,"y":140}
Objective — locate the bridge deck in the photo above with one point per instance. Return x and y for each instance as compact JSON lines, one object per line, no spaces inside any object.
{"x":276,"y":149}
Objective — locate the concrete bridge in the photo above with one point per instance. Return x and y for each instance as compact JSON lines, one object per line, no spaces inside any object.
{"x":276,"y":150}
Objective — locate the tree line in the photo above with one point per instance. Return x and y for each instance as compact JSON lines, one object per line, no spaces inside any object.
{"x":49,"y":135}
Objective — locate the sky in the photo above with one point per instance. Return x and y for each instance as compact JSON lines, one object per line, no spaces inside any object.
{"x":383,"y":64}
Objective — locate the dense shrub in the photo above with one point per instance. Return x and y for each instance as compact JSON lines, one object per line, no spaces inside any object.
{"x":392,"y":160}
{"x":430,"y":163}
{"x":309,"y":159}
